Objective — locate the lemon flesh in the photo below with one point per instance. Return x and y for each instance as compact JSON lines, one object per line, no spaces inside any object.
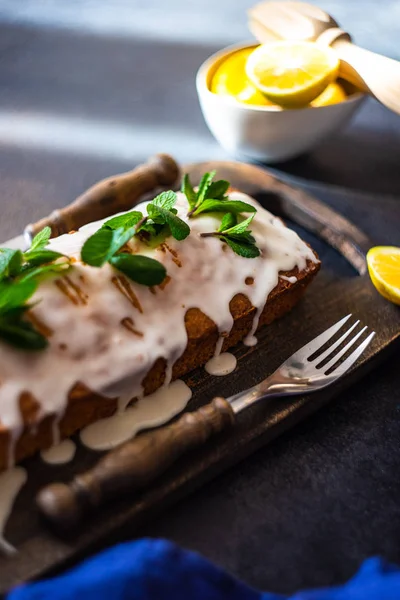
{"x":384,"y":269}
{"x":230,"y":80}
{"x":292,"y":74}
{"x":333,"y":94}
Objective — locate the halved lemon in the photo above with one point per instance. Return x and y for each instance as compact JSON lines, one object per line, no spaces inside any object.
{"x":291,"y":73}
{"x":384,"y":269}
{"x":230,"y":79}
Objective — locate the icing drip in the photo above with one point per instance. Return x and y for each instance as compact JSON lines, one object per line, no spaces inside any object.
{"x":151,"y":411}
{"x":11,"y":482}
{"x":291,"y":279}
{"x":221,"y":365}
{"x":109,"y":331}
{"x":60,"y":454}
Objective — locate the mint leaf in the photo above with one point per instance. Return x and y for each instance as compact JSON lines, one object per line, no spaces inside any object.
{"x":141,"y":269}
{"x":155,"y":214}
{"x":239,"y":227}
{"x":41,"y":239}
{"x":42,"y":270}
{"x":40,"y":257}
{"x":218,"y":189}
{"x":97,"y":249}
{"x":233,"y":206}
{"x":246,"y":236}
{"x":121,"y":237}
{"x":179,"y":229}
{"x":15,"y":294}
{"x":10,"y":262}
{"x":189,"y":192}
{"x":21,"y":334}
{"x":228,"y":221}
{"x":242,"y":248}
{"x":204,"y":185}
{"x":165,"y":200}
{"x":125,"y":221}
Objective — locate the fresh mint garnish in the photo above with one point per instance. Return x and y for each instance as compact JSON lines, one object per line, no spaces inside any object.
{"x":179,"y":229}
{"x":125,"y":221}
{"x":165,"y":200}
{"x":161,"y":211}
{"x":228,"y":220}
{"x":236,"y":235}
{"x":15,"y":294}
{"x":237,"y":228}
{"x":243,"y":248}
{"x":142,"y":269}
{"x":204,"y":186}
{"x":211,"y":197}
{"x":189,"y":192}
{"x":41,"y":239}
{"x":233,"y":206}
{"x":41,"y":257}
{"x":20,"y":273}
{"x":106,"y":244}
{"x":217,"y":190}
{"x":21,"y":333}
{"x":10,"y":262}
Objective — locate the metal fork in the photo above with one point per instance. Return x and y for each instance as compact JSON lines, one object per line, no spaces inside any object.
{"x":137,"y":463}
{"x":304,"y":372}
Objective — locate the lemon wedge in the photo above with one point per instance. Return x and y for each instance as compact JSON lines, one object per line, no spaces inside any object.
{"x":333,"y":94}
{"x":292,"y":73}
{"x":230,"y":80}
{"x":384,"y":269}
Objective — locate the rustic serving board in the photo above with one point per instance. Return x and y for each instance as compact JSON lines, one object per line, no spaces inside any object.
{"x":335,"y":292}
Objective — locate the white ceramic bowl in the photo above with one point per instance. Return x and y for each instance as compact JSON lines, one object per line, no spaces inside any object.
{"x":265,"y":133}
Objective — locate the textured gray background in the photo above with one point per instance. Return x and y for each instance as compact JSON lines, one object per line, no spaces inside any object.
{"x":90,"y":88}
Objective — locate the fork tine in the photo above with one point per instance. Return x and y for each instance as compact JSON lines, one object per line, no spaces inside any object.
{"x":343,"y":351}
{"x":350,"y":360}
{"x":329,"y":351}
{"x":321,"y":339}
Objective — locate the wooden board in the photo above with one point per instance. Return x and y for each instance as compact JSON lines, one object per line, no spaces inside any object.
{"x":333,"y":294}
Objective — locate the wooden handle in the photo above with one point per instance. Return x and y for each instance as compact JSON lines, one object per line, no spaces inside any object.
{"x":373,"y":73}
{"x":133,"y":465}
{"x":109,"y":196}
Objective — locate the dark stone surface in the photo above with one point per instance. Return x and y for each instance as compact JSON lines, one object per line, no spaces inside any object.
{"x":307,"y":509}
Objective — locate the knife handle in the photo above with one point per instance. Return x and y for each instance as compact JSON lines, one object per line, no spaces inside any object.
{"x":132,"y":466}
{"x":109,"y":196}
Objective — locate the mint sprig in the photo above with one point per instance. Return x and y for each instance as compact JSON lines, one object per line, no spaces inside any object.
{"x":236,"y":235}
{"x":162,"y":212}
{"x":20,"y":273}
{"x":106,"y":244}
{"x":211,"y":197}
{"x":207,"y":189}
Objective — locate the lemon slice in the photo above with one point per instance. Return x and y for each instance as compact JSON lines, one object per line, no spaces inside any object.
{"x":384,"y":269}
{"x":230,"y":80}
{"x":292,"y":74}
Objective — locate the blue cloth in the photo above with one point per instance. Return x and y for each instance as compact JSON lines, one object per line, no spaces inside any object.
{"x":159,"y":570}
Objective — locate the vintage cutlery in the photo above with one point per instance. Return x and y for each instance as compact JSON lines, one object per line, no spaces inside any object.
{"x":373,"y":73}
{"x":135,"y":464}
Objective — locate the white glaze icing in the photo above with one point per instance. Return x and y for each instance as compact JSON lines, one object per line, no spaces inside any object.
{"x":11,"y":482}
{"x":60,"y":453}
{"x":221,"y":365}
{"x":90,"y":345}
{"x":291,"y":279}
{"x":151,"y":411}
